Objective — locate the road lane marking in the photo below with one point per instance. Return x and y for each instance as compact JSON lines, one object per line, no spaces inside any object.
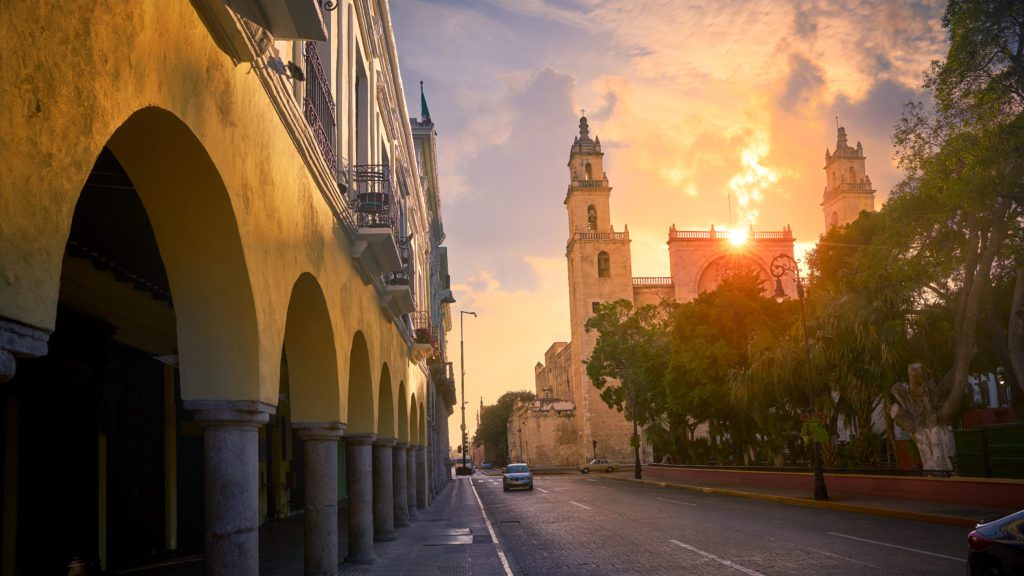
{"x":711,"y":556}
{"x":580,"y":505}
{"x":542,"y":490}
{"x":677,"y":501}
{"x":842,"y":557}
{"x":497,"y":544}
{"x":900,"y":547}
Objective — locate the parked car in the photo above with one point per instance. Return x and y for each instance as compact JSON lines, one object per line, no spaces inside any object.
{"x":599,"y":465}
{"x":517,"y":476}
{"x":486,"y":465}
{"x":996,"y":548}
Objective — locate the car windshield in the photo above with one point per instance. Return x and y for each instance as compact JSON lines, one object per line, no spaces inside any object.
{"x":518,"y":469}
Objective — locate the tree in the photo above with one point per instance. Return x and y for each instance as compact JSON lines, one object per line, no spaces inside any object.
{"x":957,"y":216}
{"x":628,"y":361}
{"x":492,"y":432}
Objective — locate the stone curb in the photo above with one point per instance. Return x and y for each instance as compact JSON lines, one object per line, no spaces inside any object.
{"x":809,"y":503}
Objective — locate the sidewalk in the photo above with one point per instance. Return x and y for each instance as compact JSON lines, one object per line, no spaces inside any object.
{"x":922,"y":511}
{"x":449,"y":538}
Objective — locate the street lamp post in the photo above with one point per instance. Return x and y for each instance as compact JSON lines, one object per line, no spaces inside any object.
{"x":462,"y":367}
{"x":781,"y":265}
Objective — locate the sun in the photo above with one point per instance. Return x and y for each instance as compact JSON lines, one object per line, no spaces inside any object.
{"x":737,"y":237}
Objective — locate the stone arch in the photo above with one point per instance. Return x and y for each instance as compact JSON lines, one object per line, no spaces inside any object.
{"x":589,"y":170}
{"x":403,"y":414}
{"x":592,"y":217}
{"x":414,"y":420}
{"x":385,"y":405}
{"x":360,"y":388}
{"x":720,"y":266}
{"x":311,"y":357}
{"x":197,"y":233}
{"x":834,"y":219}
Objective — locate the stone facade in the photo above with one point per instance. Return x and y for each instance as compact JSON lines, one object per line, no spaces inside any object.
{"x":848,"y":189}
{"x":600,"y":270}
{"x":216,"y":230}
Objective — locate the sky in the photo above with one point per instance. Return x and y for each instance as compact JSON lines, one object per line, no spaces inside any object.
{"x":715,"y":112}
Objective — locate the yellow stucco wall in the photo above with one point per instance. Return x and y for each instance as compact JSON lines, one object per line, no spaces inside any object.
{"x":237,"y":216}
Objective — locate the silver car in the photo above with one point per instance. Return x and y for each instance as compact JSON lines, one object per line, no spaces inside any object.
{"x":517,"y":476}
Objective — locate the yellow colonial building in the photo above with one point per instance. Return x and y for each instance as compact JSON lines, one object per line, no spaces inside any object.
{"x":569,"y":423}
{"x":223,"y":298}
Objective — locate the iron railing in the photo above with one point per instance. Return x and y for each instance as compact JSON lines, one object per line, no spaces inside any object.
{"x":373,"y":201}
{"x":319,"y":107}
{"x":724,"y":234}
{"x":423,"y":328}
{"x":405,"y":276}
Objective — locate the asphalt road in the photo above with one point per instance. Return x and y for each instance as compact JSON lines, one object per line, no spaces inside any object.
{"x":593,"y":525}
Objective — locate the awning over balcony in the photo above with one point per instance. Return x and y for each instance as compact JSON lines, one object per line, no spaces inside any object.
{"x":285,"y":19}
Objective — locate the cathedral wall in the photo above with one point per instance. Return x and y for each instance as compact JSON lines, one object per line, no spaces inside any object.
{"x":654,"y":295}
{"x":553,"y":379}
{"x":543,"y":433}
{"x":847,"y":208}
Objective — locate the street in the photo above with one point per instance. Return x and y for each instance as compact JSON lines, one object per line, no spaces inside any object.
{"x":576,"y":524}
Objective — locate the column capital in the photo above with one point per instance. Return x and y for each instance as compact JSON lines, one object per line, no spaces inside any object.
{"x":402,"y":445}
{"x":325,"y":431}
{"x":385,"y":441}
{"x":419,"y":447}
{"x":361,"y":438}
{"x":19,"y":340}
{"x":230,"y":412}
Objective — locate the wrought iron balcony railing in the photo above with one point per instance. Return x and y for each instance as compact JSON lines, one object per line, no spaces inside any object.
{"x":319,"y":107}
{"x":405,"y":276}
{"x":374,"y":203}
{"x":423,"y":329}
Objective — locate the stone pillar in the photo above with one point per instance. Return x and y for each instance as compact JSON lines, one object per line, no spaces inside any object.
{"x":359,"y":465}
{"x":19,"y":340}
{"x":401,"y":488}
{"x":232,"y":508}
{"x":320,"y":442}
{"x":410,"y":480}
{"x":421,"y":477}
{"x":383,"y":490}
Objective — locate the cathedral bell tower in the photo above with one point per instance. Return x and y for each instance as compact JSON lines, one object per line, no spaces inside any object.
{"x":599,"y":271}
{"x":848,"y":189}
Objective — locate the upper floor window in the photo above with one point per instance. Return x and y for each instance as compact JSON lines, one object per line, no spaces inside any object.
{"x":603,"y":265}
{"x":592,"y":217}
{"x":853,"y":175}
{"x":589,"y":170}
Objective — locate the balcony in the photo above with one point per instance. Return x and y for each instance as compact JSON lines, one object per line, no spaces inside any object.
{"x":376,"y":247}
{"x":398,"y":285}
{"x":424,"y":345}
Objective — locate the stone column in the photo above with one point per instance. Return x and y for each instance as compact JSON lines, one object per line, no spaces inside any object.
{"x":410,"y":480}
{"x":320,"y":442}
{"x":401,"y":489}
{"x":19,"y":340}
{"x":359,"y":465}
{"x":232,"y":508}
{"x":383,"y":490}
{"x":421,"y":477}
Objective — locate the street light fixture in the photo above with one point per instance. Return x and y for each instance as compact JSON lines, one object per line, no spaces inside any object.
{"x":462,"y":367}
{"x":781,"y":265}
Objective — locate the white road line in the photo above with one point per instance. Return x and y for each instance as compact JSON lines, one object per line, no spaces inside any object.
{"x":900,"y":547}
{"x":677,"y":501}
{"x":580,"y":505}
{"x":711,"y":556}
{"x":497,"y":544}
{"x":542,"y":490}
{"x":841,"y":557}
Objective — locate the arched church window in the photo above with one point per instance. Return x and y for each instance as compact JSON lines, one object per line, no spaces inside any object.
{"x":834,"y":220}
{"x":592,"y":217}
{"x":603,"y":265}
{"x":589,"y":170}
{"x":853,"y":175}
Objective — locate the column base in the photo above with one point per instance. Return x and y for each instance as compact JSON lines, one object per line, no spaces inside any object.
{"x":364,"y":558}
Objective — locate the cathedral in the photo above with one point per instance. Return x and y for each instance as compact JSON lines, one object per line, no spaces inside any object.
{"x":569,"y":423}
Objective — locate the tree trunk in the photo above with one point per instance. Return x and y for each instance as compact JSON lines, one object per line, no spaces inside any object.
{"x":915,"y":410}
{"x":1015,"y":330}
